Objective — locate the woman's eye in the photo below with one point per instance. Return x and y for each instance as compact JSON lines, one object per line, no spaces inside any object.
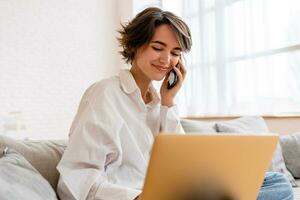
{"x":175,"y":54}
{"x":157,"y":49}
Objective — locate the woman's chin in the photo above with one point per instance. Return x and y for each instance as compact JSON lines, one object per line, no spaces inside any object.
{"x":158,"y":77}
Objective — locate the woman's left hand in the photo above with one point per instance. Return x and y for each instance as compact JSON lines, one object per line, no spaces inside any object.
{"x":168,"y":95}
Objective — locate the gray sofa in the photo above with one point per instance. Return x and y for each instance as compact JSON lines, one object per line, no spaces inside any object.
{"x":45,"y":154}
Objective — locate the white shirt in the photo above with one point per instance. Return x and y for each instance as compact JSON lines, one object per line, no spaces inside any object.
{"x":110,"y":141}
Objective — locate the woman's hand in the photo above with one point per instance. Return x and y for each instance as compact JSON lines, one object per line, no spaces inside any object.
{"x":168,"y":95}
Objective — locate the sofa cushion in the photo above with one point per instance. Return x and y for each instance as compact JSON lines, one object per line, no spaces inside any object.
{"x":195,"y":126}
{"x":253,"y":124}
{"x":44,"y":155}
{"x":20,"y":180}
{"x":291,"y":152}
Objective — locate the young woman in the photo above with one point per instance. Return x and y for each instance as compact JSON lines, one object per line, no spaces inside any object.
{"x":112,"y":134}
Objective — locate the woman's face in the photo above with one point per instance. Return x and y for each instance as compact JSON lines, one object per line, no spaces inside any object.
{"x":157,"y":58}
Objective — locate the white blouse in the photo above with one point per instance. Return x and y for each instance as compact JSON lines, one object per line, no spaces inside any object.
{"x":110,"y":141}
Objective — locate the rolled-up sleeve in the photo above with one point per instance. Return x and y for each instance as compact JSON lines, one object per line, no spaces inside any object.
{"x":170,"y":120}
{"x":92,"y":146}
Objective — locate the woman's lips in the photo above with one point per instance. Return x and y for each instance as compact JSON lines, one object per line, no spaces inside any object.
{"x":160,"y":68}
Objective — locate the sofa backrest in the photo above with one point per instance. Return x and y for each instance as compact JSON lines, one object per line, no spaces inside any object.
{"x":281,"y":125}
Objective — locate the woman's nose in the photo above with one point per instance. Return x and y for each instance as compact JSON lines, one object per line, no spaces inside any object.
{"x":165,"y":58}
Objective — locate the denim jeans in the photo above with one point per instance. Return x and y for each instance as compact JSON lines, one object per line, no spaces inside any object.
{"x":275,"y":187}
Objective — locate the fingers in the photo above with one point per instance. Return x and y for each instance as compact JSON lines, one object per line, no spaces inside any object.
{"x":179,"y":79}
{"x":179,"y":74}
{"x":181,"y":71}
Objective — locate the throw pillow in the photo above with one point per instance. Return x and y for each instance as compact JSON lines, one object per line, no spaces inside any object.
{"x":253,"y":124}
{"x":195,"y":126}
{"x":291,"y":152}
{"x":19,"y":180}
{"x":43,"y":155}
{"x":246,"y":124}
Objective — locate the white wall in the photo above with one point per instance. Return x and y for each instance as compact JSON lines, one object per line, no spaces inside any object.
{"x":50,"y":52}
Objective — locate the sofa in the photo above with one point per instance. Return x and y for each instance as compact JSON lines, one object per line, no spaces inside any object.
{"x":28,"y":168}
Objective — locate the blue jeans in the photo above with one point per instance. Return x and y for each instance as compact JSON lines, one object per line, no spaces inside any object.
{"x":275,"y":187}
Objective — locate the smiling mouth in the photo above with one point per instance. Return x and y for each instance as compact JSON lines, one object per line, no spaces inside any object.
{"x":161,"y":69}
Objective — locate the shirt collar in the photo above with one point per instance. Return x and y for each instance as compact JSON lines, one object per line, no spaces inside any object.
{"x":155,"y":96}
{"x":129,"y":85}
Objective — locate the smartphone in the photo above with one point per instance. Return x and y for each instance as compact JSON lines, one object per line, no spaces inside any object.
{"x":172,"y":79}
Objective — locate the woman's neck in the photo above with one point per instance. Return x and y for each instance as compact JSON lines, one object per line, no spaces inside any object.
{"x":143,"y":82}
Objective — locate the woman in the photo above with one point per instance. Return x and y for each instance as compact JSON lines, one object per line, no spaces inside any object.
{"x":118,"y":118}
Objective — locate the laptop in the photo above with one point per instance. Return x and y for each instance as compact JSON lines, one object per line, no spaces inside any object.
{"x":208,"y":167}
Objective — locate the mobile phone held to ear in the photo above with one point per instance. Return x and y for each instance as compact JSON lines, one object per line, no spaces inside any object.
{"x":172,"y":79}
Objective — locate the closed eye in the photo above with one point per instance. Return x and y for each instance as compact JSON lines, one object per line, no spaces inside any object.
{"x":157,"y":49}
{"x":175,"y":54}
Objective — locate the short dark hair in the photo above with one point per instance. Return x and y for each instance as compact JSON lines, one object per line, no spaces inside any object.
{"x":140,"y":30}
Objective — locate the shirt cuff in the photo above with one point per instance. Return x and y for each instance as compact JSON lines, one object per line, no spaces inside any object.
{"x":170,"y":120}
